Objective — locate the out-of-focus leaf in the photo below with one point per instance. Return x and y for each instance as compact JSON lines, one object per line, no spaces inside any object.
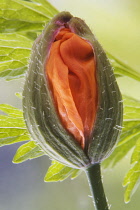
{"x":20,"y":15}
{"x":14,"y":55}
{"x":28,"y":18}
{"x":122,"y":69}
{"x":76,"y":173}
{"x":12,"y":126}
{"x":130,"y":133}
{"x":130,"y":138}
{"x":19,"y":95}
{"x":27,"y":151}
{"x":12,"y":111}
{"x":131,"y":180}
{"x":59,"y":172}
{"x":120,"y":152}
{"x":136,"y":153}
{"x":131,"y":109}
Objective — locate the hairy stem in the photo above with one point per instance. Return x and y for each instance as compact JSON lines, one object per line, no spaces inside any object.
{"x":96,"y":186}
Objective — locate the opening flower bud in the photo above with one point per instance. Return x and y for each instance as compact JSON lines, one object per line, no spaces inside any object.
{"x":71,"y":101}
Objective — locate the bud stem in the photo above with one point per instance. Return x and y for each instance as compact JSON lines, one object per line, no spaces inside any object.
{"x":96,"y":186}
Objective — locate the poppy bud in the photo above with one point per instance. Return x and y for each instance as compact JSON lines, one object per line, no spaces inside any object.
{"x":71,"y":101}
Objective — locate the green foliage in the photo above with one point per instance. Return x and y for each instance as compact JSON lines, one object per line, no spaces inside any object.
{"x":12,"y":126}
{"x":20,"y":15}
{"x":75,"y":173}
{"x":122,"y":69}
{"x":131,"y":180}
{"x":59,"y":172}
{"x":15,"y":51}
{"x":130,"y":138}
{"x":19,"y":95}
{"x":27,"y":151}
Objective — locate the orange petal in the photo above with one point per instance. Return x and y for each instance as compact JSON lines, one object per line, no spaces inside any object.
{"x":71,"y":73}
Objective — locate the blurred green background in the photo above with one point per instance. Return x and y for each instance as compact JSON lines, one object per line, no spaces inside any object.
{"x":117,"y":26}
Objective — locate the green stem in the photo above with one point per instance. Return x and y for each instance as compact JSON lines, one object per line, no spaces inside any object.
{"x":96,"y":186}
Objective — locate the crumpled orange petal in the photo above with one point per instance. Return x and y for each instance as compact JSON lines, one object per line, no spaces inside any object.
{"x":70,"y":70}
